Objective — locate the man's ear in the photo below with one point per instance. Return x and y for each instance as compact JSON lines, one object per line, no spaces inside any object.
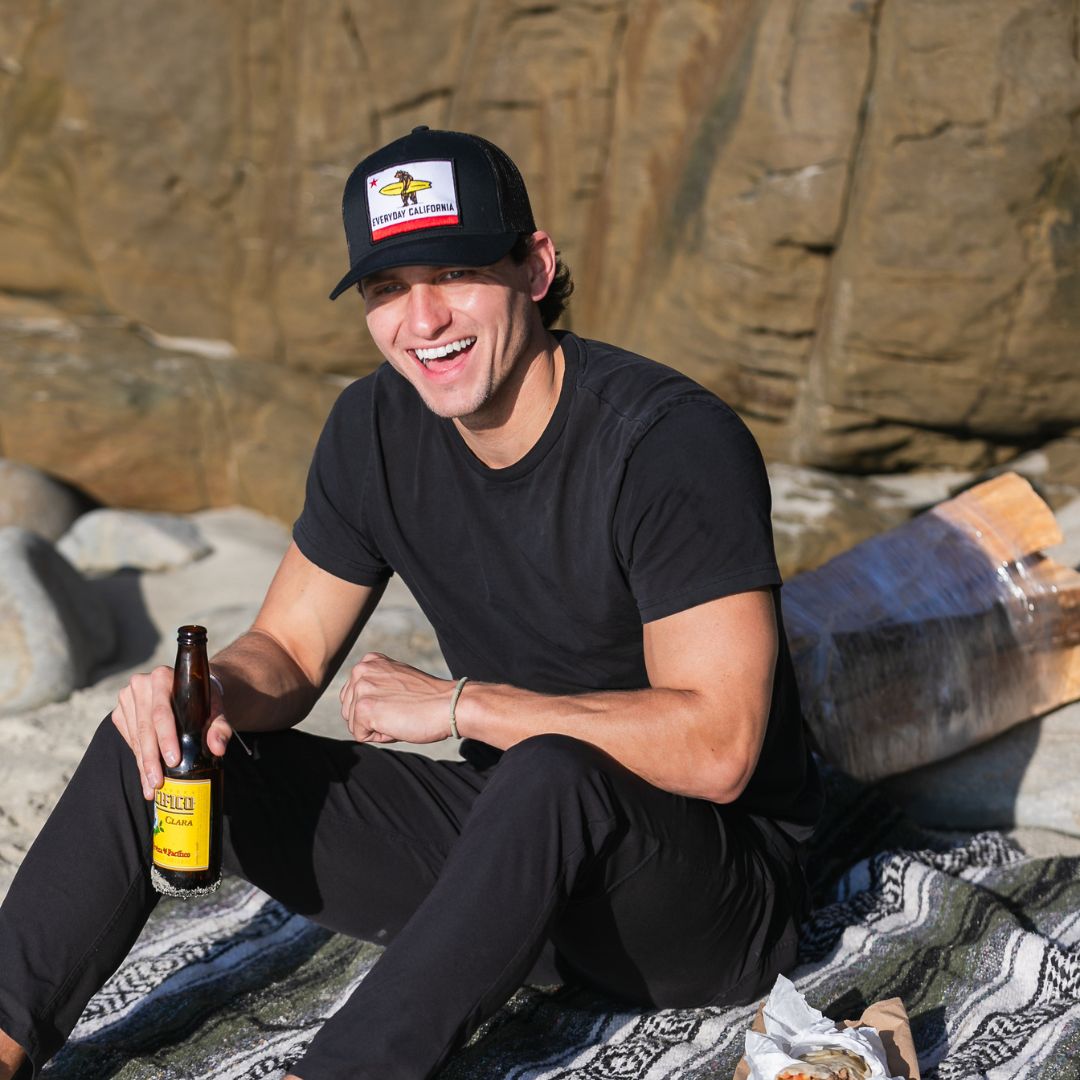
{"x":541,"y":264}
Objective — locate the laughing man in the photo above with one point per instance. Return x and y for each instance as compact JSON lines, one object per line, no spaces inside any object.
{"x":588,"y":532}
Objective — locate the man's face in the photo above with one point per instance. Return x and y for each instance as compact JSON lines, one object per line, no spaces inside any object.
{"x":458,"y":333}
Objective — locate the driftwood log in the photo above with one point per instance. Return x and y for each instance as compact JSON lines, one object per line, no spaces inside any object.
{"x":938,"y":634}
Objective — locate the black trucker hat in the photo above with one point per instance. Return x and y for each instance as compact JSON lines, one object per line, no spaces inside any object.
{"x":432,"y":198}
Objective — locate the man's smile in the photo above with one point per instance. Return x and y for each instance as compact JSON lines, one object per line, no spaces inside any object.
{"x":451,"y":349}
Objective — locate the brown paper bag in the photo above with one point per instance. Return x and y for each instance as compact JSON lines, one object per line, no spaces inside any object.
{"x":888,"y":1018}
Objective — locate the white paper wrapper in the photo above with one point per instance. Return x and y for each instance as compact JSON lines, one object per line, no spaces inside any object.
{"x":792,"y":1028}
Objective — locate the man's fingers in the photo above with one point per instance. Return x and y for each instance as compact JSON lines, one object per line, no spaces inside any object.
{"x":144,"y":718}
{"x":147,"y":754}
{"x":218,"y":735}
{"x":132,"y":697}
{"x":350,"y":710}
{"x":149,"y":716}
{"x":348,"y":703}
{"x":161,"y":715}
{"x":123,"y":718}
{"x":146,"y":742}
{"x":348,"y":714}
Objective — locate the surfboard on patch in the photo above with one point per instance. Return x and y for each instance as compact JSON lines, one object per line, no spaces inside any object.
{"x":398,"y":188}
{"x":410,"y":195}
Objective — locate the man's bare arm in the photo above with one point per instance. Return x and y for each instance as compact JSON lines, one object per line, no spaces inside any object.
{"x":697,"y":730}
{"x":272,"y":674}
{"x":275,"y":672}
{"x":12,"y":1056}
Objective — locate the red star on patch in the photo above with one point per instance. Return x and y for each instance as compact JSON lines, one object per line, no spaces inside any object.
{"x":374,"y":182}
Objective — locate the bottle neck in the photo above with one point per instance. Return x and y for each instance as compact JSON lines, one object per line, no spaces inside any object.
{"x":191,"y":688}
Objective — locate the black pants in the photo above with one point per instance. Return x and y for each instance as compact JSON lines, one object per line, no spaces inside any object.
{"x":555,"y":864}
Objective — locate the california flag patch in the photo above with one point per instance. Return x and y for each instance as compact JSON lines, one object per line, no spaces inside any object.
{"x":414,"y":195}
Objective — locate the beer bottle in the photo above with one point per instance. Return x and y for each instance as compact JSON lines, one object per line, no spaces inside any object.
{"x":188,"y":807}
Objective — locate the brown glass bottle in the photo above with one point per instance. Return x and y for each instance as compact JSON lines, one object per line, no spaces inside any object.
{"x":188,"y":805}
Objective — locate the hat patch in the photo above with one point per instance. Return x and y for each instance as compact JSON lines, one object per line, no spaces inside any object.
{"x":410,"y":196}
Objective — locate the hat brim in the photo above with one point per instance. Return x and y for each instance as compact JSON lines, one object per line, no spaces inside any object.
{"x":446,"y":250}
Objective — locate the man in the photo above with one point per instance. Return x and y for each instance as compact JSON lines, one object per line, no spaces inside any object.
{"x":589,"y":534}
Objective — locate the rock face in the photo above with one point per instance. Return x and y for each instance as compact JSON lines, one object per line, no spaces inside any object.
{"x":154,"y":426}
{"x":35,"y":501}
{"x":951,"y":306}
{"x":107,"y":540}
{"x":858,"y":220}
{"x":53,"y":628}
{"x":865,"y":231}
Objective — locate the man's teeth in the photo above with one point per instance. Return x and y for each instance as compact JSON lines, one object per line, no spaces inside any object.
{"x":444,"y":350}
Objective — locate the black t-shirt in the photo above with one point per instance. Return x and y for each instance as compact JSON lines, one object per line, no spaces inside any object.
{"x":644,"y":496}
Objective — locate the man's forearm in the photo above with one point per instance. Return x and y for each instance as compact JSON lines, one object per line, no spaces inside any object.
{"x":264,"y":688}
{"x":678,"y":740}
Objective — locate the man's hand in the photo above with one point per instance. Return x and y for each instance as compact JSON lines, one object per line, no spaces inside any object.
{"x":386,"y":701}
{"x":274,"y":672}
{"x":144,"y":717}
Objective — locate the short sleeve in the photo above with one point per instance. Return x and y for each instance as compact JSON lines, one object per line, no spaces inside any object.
{"x":333,"y":530}
{"x":692,"y":522}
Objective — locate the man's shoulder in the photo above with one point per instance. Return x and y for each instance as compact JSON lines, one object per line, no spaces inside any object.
{"x":635,"y":388}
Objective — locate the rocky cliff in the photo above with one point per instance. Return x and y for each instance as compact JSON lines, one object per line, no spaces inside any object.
{"x":858,"y":220}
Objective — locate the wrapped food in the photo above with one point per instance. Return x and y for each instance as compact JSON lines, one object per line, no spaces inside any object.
{"x":791,"y":1040}
{"x":828,"y":1063}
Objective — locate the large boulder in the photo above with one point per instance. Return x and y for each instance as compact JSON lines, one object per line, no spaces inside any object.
{"x":35,"y":501}
{"x":106,"y":540}
{"x":54,"y":629}
{"x":152,"y":424}
{"x":858,"y":221}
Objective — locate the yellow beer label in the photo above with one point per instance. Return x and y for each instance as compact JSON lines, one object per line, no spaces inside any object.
{"x":182,"y":825}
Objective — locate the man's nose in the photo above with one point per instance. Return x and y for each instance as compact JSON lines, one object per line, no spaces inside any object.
{"x":428,"y":312}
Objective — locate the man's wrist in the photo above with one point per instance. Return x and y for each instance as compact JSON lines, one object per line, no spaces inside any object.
{"x":454,"y":698}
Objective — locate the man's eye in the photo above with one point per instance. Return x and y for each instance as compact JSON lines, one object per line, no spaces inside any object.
{"x":454,"y":275}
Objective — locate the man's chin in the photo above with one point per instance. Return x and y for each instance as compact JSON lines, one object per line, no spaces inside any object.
{"x":456,"y":406}
{"x":450,"y":411}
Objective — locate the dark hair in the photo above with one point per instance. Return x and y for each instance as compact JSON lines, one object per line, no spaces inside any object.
{"x":553,"y":303}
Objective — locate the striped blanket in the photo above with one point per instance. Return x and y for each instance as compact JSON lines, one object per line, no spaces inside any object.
{"x":980,"y":942}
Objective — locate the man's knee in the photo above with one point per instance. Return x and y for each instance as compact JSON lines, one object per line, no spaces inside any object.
{"x":555,"y":768}
{"x":555,"y":759}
